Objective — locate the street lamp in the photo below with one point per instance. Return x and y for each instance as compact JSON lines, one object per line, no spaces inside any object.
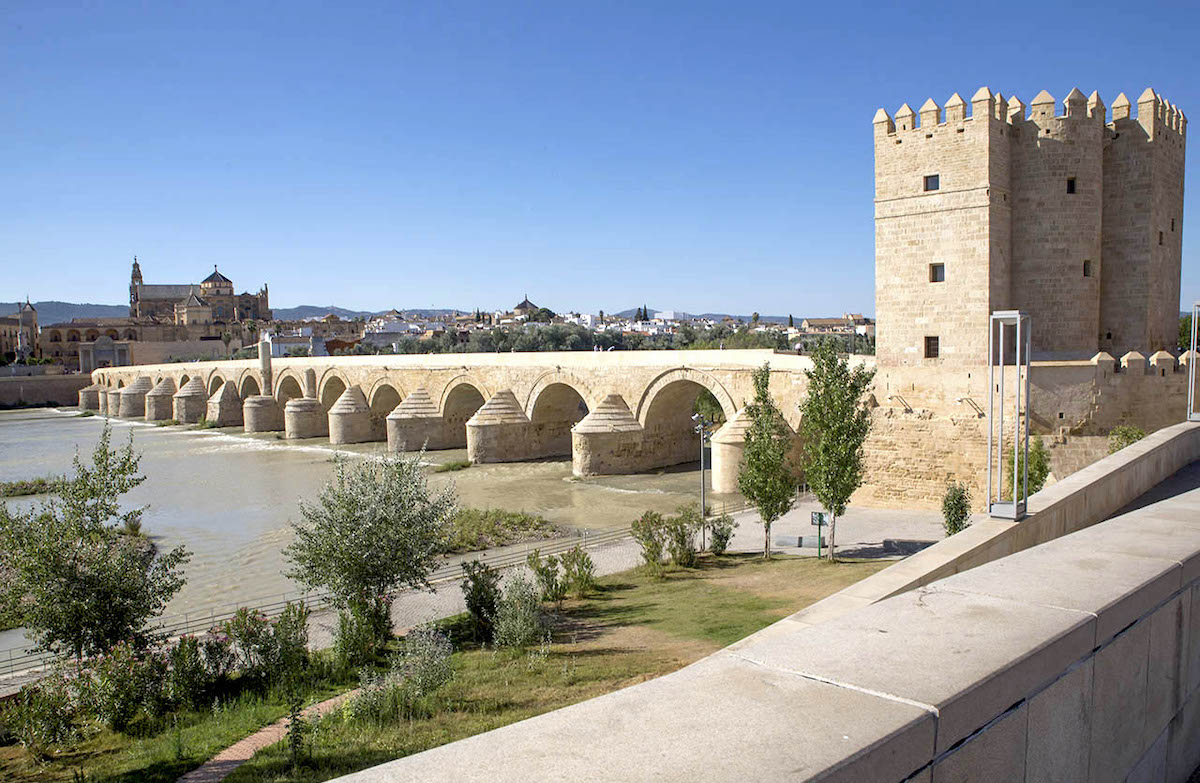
{"x":701,"y":429}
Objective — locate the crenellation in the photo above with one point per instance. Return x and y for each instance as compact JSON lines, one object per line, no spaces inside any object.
{"x":1065,"y":215}
{"x":956,"y":109}
{"x":931,"y":114}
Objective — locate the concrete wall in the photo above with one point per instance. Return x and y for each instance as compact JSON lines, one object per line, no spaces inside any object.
{"x":1075,"y":660}
{"x":41,"y":389}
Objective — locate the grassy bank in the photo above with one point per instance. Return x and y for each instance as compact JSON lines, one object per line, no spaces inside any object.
{"x":37,"y":486}
{"x":474,"y":529}
{"x":633,"y":629}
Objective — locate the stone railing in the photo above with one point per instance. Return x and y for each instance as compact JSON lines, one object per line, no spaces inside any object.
{"x":1073,"y":659}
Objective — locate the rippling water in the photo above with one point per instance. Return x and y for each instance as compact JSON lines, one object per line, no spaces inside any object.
{"x":229,"y":496}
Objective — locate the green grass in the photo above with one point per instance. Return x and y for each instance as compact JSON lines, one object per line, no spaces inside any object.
{"x":634,"y":628}
{"x":166,"y":423}
{"x":37,"y":486}
{"x":152,"y":753}
{"x":84,"y":414}
{"x":473,"y":529}
{"x":205,"y":424}
{"x":450,"y":467}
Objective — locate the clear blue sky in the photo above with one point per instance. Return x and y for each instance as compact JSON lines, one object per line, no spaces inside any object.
{"x":601,"y":155}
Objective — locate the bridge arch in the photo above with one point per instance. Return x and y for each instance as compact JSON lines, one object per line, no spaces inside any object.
{"x":215,"y":381}
{"x":288,"y":386}
{"x":679,"y":379}
{"x":557,"y":407}
{"x":460,"y":398}
{"x":559,"y":378}
{"x":332,"y":384}
{"x":383,"y":398}
{"x":248,"y":384}
{"x":665,"y":413}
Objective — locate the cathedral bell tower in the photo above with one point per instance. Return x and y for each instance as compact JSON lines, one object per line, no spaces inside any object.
{"x":135,"y":280}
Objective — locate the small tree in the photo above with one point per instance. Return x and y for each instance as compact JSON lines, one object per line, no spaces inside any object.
{"x":650,"y":535}
{"x":1039,"y":468}
{"x":1124,"y":435}
{"x":834,"y":425}
{"x":375,"y":528}
{"x":765,"y":478}
{"x":481,"y":589}
{"x":73,"y":578}
{"x":227,"y":338}
{"x":956,"y":507}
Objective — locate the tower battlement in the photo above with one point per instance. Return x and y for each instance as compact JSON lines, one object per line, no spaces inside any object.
{"x":1154,"y":113}
{"x":1070,"y":210}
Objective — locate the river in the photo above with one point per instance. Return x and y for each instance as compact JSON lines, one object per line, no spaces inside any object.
{"x":229,"y":497}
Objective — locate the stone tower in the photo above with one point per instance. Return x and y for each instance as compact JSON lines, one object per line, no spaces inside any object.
{"x":1076,"y":220}
{"x":135,"y":280}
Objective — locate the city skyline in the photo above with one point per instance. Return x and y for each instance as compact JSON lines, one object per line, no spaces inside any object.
{"x":437,"y":157}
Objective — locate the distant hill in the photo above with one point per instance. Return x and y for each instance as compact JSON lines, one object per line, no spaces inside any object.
{"x":54,"y":312}
{"x":317,"y":311}
{"x":778,"y":319}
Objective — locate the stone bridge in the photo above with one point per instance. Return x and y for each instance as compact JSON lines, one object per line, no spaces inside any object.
{"x":613,"y":412}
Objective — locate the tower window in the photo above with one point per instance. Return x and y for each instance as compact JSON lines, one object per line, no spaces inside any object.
{"x":1087,"y":268}
{"x":1160,"y":237}
{"x":931,"y":182}
{"x":931,"y":347}
{"x":937,"y":273}
{"x":1070,"y":184}
{"x":1172,"y":224}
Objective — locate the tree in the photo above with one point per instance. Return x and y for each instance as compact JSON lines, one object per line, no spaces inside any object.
{"x":1124,"y":435}
{"x":754,"y":318}
{"x":791,"y":321}
{"x":956,"y":507}
{"x":376,"y":527}
{"x":1039,"y":468}
{"x":833,"y":426}
{"x":227,"y":338}
{"x":1185,"y":333}
{"x":765,"y":477}
{"x":75,"y":580}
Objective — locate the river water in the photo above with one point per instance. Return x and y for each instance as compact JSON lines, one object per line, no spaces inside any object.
{"x":229,"y":497}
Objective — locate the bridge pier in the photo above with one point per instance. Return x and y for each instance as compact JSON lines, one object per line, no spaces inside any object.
{"x":608,"y":441}
{"x":102,"y":401}
{"x":191,"y":402}
{"x":224,"y":407}
{"x":728,"y":446}
{"x":89,"y":397}
{"x":499,"y":431}
{"x":114,"y":402}
{"x":415,"y":423}
{"x":350,"y":418}
{"x":133,"y":398}
{"x":159,"y":401}
{"x":261,"y":413}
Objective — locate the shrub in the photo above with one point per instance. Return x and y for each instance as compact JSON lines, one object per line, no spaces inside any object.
{"x":380,"y":698}
{"x":1039,"y":467}
{"x":956,"y":508}
{"x":481,"y":589}
{"x":115,"y":686}
{"x":425,"y":660}
{"x":649,"y":534}
{"x":291,"y":641}
{"x":1122,"y":436}
{"x":189,"y":681}
{"x":721,"y":531}
{"x":579,"y":572}
{"x":680,"y":531}
{"x":519,"y":615}
{"x":362,"y":631}
{"x":216,"y":648}
{"x":551,"y":586}
{"x":254,"y":645}
{"x":43,"y":715}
